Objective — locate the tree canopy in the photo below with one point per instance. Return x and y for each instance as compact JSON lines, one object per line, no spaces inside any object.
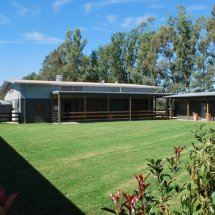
{"x":179,"y":56}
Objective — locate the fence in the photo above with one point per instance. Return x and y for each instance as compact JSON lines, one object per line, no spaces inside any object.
{"x":10,"y":117}
{"x":108,"y":115}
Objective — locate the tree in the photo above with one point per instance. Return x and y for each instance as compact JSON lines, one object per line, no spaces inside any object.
{"x":170,"y":75}
{"x":92,"y":71}
{"x":104,"y":63}
{"x":53,"y":64}
{"x":117,"y":58}
{"x":32,"y":76}
{"x":185,"y":44}
{"x":147,"y":59}
{"x":131,"y":50}
{"x":68,"y":59}
{"x":204,"y":74}
{"x":177,"y":58}
{"x":211,"y":25}
{"x":73,"y":47}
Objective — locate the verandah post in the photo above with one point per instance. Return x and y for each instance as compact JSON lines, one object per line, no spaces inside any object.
{"x":167,"y":108}
{"x":170,"y":108}
{"x":130,"y":108}
{"x":59,"y":108}
{"x":188,"y":111}
{"x":85,"y":107}
{"x":207,"y":107}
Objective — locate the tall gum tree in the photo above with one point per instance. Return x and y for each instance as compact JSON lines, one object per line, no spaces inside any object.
{"x":74,"y":46}
{"x":117,"y":58}
{"x":203,"y":75}
{"x":177,"y":54}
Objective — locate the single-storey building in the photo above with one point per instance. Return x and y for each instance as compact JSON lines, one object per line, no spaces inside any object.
{"x":61,"y":101}
{"x":190,"y":105}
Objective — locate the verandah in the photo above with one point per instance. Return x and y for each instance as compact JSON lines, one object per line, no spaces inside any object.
{"x":95,"y":107}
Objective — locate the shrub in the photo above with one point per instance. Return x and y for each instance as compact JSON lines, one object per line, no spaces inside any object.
{"x":197,"y":196}
{"x":200,"y":195}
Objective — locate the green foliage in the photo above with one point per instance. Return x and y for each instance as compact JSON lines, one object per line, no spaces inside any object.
{"x":211,"y":25}
{"x":32,"y":76}
{"x":179,"y":56}
{"x":199,"y":198}
{"x":117,"y":58}
{"x":178,"y":40}
{"x":145,"y":200}
{"x":204,"y":68}
{"x":92,"y":73}
{"x":53,"y":64}
{"x":67,"y":59}
{"x":147,"y":58}
{"x":197,"y":195}
{"x":104,"y":63}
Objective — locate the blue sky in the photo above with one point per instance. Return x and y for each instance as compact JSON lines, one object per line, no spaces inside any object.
{"x":31,"y":29}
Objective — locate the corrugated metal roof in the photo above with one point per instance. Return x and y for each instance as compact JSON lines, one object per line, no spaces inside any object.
{"x":160,"y":95}
{"x":69,"y":83}
{"x":190,"y":95}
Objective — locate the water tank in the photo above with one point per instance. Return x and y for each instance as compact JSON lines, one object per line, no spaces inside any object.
{"x":59,"y":78}
{"x":15,"y":116}
{"x":15,"y":104}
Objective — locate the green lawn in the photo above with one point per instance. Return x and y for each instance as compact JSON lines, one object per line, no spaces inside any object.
{"x":50,"y":164}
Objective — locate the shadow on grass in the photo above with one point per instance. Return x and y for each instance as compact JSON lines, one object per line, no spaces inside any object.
{"x":37,"y":196}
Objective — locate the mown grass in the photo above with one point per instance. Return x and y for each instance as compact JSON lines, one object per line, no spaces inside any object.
{"x":85,"y":162}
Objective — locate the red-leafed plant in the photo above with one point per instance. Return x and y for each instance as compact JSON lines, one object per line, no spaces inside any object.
{"x":130,"y":203}
{"x":143,"y":201}
{"x":6,"y":201}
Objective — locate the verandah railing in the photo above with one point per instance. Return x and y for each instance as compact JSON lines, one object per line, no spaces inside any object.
{"x":108,"y":115}
{"x":10,"y":117}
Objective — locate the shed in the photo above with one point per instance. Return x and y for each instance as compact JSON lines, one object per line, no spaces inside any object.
{"x":187,"y":104}
{"x":63,"y":101}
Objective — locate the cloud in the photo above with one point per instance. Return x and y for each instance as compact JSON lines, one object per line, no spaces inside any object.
{"x":88,"y":7}
{"x":111,"y":18}
{"x":41,"y":38}
{"x":134,"y":21}
{"x":59,"y":3}
{"x":127,"y":22}
{"x":156,"y":6}
{"x":24,"y":10}
{"x":196,"y":7}
{"x":4,"y":42}
{"x":91,"y":5}
{"x":101,"y":29}
{"x":4,"y":20}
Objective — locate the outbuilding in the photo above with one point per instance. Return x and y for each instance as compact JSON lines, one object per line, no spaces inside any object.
{"x":194,"y":106}
{"x":61,"y":101}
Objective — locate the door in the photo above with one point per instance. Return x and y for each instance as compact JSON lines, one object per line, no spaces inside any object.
{"x":203,"y":109}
